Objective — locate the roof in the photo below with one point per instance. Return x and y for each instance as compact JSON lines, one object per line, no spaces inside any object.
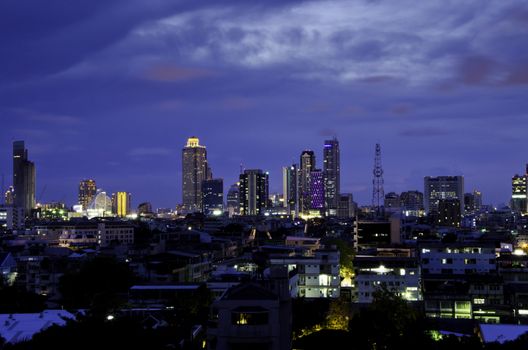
{"x":19,"y":327}
{"x":249,"y":291}
{"x":167,"y":287}
{"x":501,"y":332}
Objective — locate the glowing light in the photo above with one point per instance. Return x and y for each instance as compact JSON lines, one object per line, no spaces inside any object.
{"x":110,"y":317}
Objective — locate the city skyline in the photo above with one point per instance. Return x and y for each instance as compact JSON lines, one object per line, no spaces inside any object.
{"x":441,"y":86}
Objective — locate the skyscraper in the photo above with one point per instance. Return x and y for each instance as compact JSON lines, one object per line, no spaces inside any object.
{"x":195,"y":170}
{"x":331,"y":173}
{"x":213,"y":197}
{"x":290,"y":189}
{"x":412,"y":200}
{"x":442,"y":187}
{"x":233,"y":200}
{"x":87,"y":192}
{"x":317,"y":190}
{"x":121,"y":203}
{"x":23,"y":178}
{"x":307,"y":166}
{"x":519,"y":193}
{"x":9,"y":196}
{"x":254,"y":192}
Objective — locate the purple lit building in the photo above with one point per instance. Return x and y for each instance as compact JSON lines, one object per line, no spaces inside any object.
{"x":317,"y":189}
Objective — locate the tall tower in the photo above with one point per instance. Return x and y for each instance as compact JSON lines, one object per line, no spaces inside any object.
{"x":307,"y":166}
{"x":331,"y":173}
{"x":378,"y":194}
{"x":121,"y":203}
{"x":194,"y":170}
{"x":442,"y":188}
{"x":254,"y":192}
{"x":23,"y":178}
{"x":87,"y":192}
{"x":290,"y":189}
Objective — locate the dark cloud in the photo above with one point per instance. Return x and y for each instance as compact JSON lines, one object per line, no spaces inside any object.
{"x":115,"y":88}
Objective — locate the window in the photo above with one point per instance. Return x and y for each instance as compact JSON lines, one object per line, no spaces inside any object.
{"x":479,"y":301}
{"x":249,"y":318}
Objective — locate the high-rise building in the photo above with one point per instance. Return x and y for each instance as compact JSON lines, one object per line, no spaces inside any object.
{"x":23,"y":178}
{"x":519,"y":193}
{"x":347,"y":206}
{"x":87,"y":192}
{"x":195,"y":170}
{"x":472,"y":202}
{"x":307,"y":166}
{"x":317,"y":190}
{"x":290,"y":189}
{"x":9,"y":196}
{"x":254,"y":192}
{"x":331,"y":173}
{"x":213,"y":197}
{"x":233,"y":200}
{"x":121,"y":203}
{"x":412,"y":200}
{"x":442,"y":187}
{"x":449,"y":212}
{"x":392,"y":201}
{"x":145,"y":208}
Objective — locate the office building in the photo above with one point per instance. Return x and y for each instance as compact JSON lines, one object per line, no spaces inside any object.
{"x":392,"y":202}
{"x":290,"y":189}
{"x":9,"y":196}
{"x":442,"y":187}
{"x":213,"y":197}
{"x":87,"y":192}
{"x":412,"y":200}
{"x":347,"y":206}
{"x":472,"y":202}
{"x":101,"y":205}
{"x":233,"y":200}
{"x":23,"y":178}
{"x":195,"y":170}
{"x":121,"y":204}
{"x":254,"y":192}
{"x":519,"y":201}
{"x":317,"y":190}
{"x":307,"y":166}
{"x":331,"y":173}
{"x":449,"y":213}
{"x":145,"y":208}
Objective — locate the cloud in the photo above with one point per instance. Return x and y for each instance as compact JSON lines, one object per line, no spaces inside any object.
{"x":238,"y":103}
{"x":424,"y":132}
{"x":173,"y":73}
{"x":150,"y":151}
{"x":401,"y":109}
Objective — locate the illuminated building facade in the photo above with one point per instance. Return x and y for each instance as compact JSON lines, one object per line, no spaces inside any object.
{"x":449,"y":212}
{"x":121,"y":203}
{"x":87,"y":192}
{"x":307,"y":166}
{"x":254,"y":192}
{"x":213,"y":197}
{"x":332,"y":178}
{"x":233,"y":200}
{"x":23,"y":178}
{"x":9,"y":196}
{"x":442,"y":187}
{"x":400,"y":275}
{"x":290,"y":189}
{"x":519,"y":201}
{"x":317,"y":190}
{"x":195,"y":170}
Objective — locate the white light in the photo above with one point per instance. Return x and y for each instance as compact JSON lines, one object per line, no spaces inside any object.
{"x":523,"y":312}
{"x":519,"y":252}
{"x":110,"y":317}
{"x":217,"y":212}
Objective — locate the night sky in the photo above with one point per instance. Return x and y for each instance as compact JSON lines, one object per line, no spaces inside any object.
{"x":111,"y":90}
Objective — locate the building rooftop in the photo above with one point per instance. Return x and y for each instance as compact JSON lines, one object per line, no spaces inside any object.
{"x":18,"y":327}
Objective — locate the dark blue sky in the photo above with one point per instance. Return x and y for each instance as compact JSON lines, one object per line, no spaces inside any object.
{"x":111,"y":90}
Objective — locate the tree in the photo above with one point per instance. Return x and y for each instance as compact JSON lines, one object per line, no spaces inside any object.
{"x":98,"y":285}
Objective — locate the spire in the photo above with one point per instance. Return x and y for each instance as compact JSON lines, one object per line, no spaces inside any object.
{"x":378,"y":193}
